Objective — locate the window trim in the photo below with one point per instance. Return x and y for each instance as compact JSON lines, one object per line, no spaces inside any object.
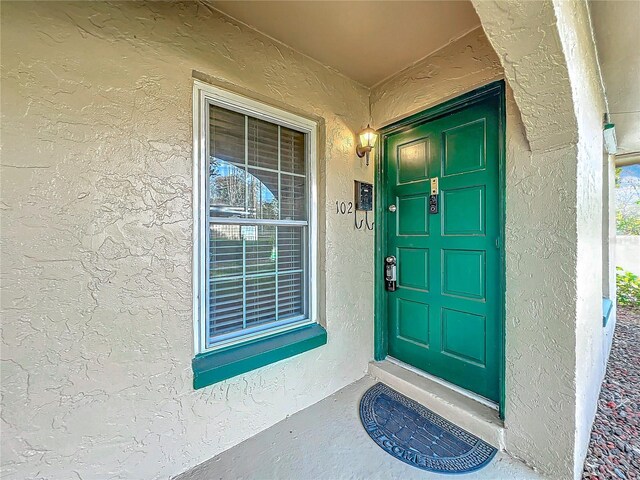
{"x":218,"y":365}
{"x":203,"y":95}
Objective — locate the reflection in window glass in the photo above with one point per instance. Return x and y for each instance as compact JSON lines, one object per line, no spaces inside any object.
{"x":260,"y":249}
{"x":261,"y":300}
{"x":263,"y":144}
{"x":292,"y":151}
{"x":262,"y":192}
{"x":227,"y":301}
{"x":293,"y":205}
{"x":290,"y":295}
{"x":227,"y":189}
{"x":258,"y":225}
{"x":227,"y":138}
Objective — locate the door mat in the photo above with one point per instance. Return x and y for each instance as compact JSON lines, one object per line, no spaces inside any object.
{"x":419,"y":437}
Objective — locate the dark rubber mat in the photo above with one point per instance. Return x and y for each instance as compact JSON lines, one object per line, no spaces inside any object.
{"x":417,"y":436}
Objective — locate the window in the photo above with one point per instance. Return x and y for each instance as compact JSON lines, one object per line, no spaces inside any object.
{"x":255,"y":210}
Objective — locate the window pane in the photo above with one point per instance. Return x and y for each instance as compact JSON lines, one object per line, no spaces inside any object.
{"x":226,"y":152}
{"x":292,"y":151}
{"x":226,"y":190}
{"x":225,"y":251}
{"x":294,"y":198}
{"x":262,"y":191}
{"x":261,"y":300}
{"x":257,"y":273}
{"x":263,"y":144}
{"x":260,"y":246}
{"x":226,"y":135}
{"x":290,"y":295}
{"x":225,"y":307}
{"x":290,"y":248}
{"x":231,"y":246}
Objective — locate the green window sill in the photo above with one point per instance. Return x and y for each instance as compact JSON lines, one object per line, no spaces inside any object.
{"x":213,"y":367}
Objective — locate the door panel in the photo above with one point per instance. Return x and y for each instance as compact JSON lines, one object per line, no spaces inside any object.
{"x":461,"y":333}
{"x":464,"y":148}
{"x":411,"y":166}
{"x":413,"y":268}
{"x":464,"y":273}
{"x":408,"y":330}
{"x":444,"y":316}
{"x":471,"y":200}
{"x":414,"y":219}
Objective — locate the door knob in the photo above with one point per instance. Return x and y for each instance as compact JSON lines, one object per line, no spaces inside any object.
{"x":392,"y":208}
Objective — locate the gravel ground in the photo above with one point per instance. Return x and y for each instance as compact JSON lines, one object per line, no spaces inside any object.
{"x":614,"y":450}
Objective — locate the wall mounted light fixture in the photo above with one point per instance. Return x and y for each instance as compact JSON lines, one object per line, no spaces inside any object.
{"x":368,"y":139}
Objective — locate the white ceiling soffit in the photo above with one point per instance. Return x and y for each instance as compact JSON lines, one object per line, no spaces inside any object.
{"x":617,"y":29}
{"x":368,"y":41}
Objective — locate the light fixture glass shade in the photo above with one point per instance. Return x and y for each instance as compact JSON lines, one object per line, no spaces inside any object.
{"x":368,"y":137}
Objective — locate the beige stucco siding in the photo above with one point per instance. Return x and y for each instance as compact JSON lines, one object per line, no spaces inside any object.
{"x":97,"y":227}
{"x":592,"y":341}
{"x":461,"y":66}
{"x":96,"y":239}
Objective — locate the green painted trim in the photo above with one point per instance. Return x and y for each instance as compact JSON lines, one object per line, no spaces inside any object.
{"x":380,"y":304}
{"x":502,"y":205}
{"x":213,"y":367}
{"x":607,"y":308}
{"x":380,"y":299}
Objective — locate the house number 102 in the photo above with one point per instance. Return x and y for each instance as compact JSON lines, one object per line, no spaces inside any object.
{"x":344,"y":207}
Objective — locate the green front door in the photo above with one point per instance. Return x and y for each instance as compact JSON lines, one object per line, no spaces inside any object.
{"x":445,"y":315}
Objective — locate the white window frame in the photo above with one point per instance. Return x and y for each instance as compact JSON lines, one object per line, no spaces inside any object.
{"x":203,"y":96}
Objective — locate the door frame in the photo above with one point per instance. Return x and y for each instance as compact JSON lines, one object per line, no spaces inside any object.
{"x":381,"y":341}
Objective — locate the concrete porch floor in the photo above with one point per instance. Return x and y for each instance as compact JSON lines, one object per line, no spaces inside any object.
{"x":327,"y":441}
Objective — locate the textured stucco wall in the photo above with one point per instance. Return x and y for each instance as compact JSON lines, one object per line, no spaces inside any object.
{"x":461,"y":66}
{"x":541,"y":238}
{"x":552,"y":69}
{"x":525,"y":36}
{"x":592,"y":341}
{"x":96,"y":239}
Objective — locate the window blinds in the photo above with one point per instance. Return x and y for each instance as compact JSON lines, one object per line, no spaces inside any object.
{"x":258,"y":225}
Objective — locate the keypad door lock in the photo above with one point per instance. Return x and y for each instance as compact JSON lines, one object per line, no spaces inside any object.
{"x":390,"y":273}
